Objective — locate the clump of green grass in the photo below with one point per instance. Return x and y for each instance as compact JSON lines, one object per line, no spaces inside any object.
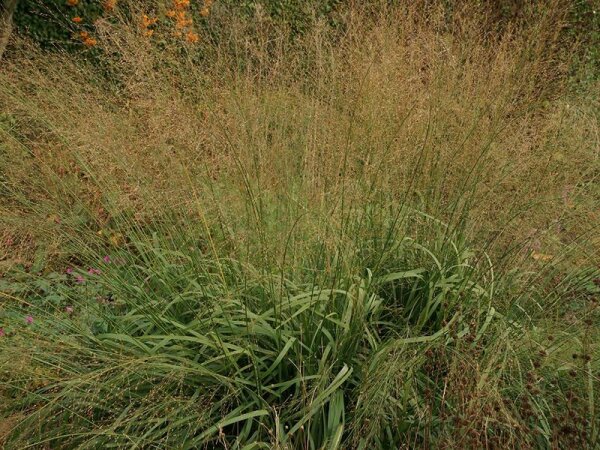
{"x":171,"y":348}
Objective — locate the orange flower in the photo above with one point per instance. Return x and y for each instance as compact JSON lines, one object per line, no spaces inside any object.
{"x":148,"y":33}
{"x":109,"y":5}
{"x":192,"y":37}
{"x":72,"y":2}
{"x":204,"y":12}
{"x":182,"y":21}
{"x":147,"y":21}
{"x":86,"y":39}
{"x":77,"y":19}
{"x":208,"y":3}
{"x":181,"y":4}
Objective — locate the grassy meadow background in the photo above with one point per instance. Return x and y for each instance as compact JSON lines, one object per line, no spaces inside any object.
{"x":327,"y":225}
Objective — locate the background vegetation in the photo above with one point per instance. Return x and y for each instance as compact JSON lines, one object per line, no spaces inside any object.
{"x":329,"y":225}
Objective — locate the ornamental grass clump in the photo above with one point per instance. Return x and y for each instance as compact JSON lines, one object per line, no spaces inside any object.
{"x":379,"y":234}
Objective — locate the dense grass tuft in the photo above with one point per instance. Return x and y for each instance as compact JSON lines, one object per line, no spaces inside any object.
{"x":380,"y":234}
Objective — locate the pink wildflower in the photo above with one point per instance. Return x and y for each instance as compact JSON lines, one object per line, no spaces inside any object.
{"x":2,"y":332}
{"x":29,"y":319}
{"x":93,"y":271}
{"x":69,"y":309}
{"x":79,"y":279}
{"x":106,"y":259}
{"x":70,"y":270}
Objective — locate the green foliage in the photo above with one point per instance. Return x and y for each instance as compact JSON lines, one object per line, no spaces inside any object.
{"x":49,"y":22}
{"x":299,"y":15}
{"x":585,"y":30}
{"x":173,"y":348}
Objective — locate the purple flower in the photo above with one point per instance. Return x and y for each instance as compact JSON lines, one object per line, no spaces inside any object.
{"x":70,"y":270}
{"x":93,"y":271}
{"x":2,"y":333}
{"x":69,"y":309}
{"x":106,"y":259}
{"x":79,"y":279}
{"x":29,"y":319}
